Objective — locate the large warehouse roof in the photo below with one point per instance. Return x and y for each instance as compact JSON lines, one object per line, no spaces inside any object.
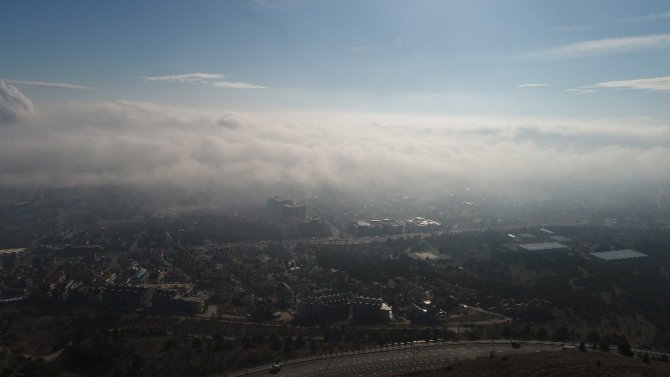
{"x":544,"y":246}
{"x":619,"y":254}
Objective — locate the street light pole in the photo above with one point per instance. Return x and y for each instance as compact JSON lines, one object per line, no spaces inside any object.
{"x":330,"y":360}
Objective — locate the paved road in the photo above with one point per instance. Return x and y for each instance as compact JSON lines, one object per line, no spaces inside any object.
{"x":395,"y":360}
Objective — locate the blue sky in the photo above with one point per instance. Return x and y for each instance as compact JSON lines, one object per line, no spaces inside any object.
{"x":432,"y":57}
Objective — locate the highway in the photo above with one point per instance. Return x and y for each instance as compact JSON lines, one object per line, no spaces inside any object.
{"x":396,"y":359}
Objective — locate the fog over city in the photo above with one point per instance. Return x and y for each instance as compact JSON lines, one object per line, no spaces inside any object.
{"x":150,"y":145}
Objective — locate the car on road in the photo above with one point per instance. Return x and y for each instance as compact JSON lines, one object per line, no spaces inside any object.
{"x":516,"y":345}
{"x":274,"y":368}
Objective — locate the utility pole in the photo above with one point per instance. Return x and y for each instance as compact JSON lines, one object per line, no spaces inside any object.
{"x":330,"y":360}
{"x":492,"y":334}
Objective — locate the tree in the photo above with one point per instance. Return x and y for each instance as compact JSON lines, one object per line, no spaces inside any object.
{"x":506,"y":332}
{"x":218,"y":341}
{"x":592,"y":337}
{"x":624,"y":349}
{"x":170,"y":343}
{"x":561,"y":334}
{"x":604,"y":346}
{"x":138,"y":362}
{"x":37,"y":368}
{"x":288,"y":346}
{"x":197,"y":344}
{"x":275,"y":343}
{"x":526,"y":332}
{"x":299,"y":342}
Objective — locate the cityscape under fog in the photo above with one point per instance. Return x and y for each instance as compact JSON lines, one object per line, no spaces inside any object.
{"x":350,"y":188}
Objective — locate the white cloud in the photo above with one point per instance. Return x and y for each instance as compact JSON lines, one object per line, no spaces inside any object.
{"x":653,"y":84}
{"x":14,"y":105}
{"x":211,"y":79}
{"x":601,"y":47}
{"x":532,"y":85}
{"x":581,"y":90}
{"x":187,"y":77}
{"x":649,"y":17}
{"x":572,"y":28}
{"x":279,"y":5}
{"x":46,"y":84}
{"x":236,"y":85}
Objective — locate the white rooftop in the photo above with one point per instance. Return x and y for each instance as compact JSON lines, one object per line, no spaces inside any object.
{"x":619,"y":254}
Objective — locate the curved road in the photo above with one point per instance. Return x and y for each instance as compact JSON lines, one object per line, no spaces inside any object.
{"x":396,"y":359}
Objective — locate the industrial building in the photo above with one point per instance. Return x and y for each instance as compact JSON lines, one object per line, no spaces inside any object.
{"x":371,"y":227}
{"x":619,"y":254}
{"x":560,"y":239}
{"x":542,"y":247}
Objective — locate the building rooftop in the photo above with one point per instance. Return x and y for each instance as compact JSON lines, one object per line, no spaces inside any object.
{"x":12,"y":251}
{"x":422,"y":221}
{"x":140,"y":274}
{"x":543,"y":246}
{"x":368,"y":300}
{"x":321,"y":300}
{"x":619,"y":254}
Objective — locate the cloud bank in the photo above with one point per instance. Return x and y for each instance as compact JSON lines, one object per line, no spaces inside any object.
{"x":236,"y":85}
{"x":532,"y":85}
{"x":147,"y":144}
{"x":601,"y":47}
{"x":46,"y":84}
{"x":654,"y":84}
{"x":188,"y":77}
{"x":650,"y":17}
{"x":210,"y":79}
{"x":14,"y":106}
{"x":657,"y":84}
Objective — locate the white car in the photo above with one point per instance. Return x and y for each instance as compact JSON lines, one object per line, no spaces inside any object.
{"x":275,"y":368}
